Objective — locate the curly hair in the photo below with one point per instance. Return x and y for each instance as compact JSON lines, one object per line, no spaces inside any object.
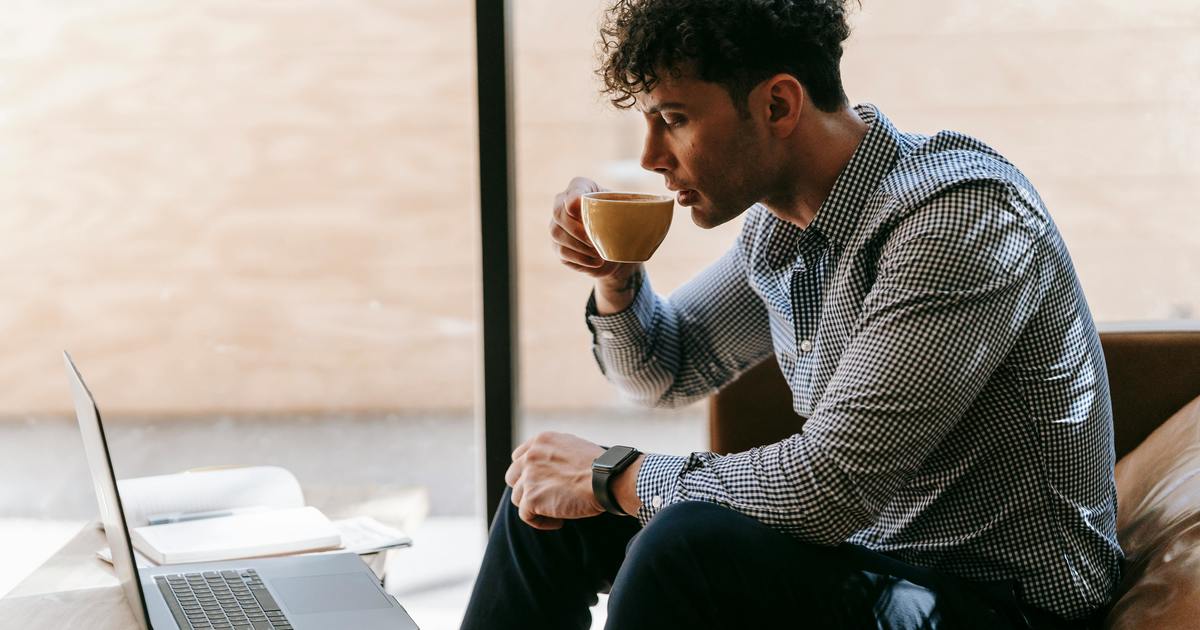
{"x":733,"y":43}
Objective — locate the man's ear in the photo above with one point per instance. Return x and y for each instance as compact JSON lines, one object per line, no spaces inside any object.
{"x":786,"y":102}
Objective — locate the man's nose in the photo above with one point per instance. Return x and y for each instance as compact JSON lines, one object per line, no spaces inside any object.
{"x":655,"y":156}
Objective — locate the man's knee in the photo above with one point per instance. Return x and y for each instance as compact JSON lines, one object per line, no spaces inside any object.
{"x":725,"y":568}
{"x":697,"y":534}
{"x":682,"y":531}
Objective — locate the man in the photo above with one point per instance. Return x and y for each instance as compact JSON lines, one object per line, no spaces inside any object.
{"x":956,"y":467}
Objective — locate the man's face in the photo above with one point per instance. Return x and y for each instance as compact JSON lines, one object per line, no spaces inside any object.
{"x":707,"y":151}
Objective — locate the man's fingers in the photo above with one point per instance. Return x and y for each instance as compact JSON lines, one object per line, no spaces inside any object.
{"x":605,"y":268}
{"x":537,"y":521}
{"x":574,"y":228}
{"x":547,"y":523}
{"x":527,"y":514}
{"x":567,"y":247}
{"x":574,"y":207}
{"x":513,"y":473}
{"x":568,"y":235}
{"x":560,"y":236}
{"x":518,"y":493}
{"x":520,"y":450}
{"x":569,"y":199}
{"x":583,"y":260}
{"x":567,"y":203}
{"x":595,"y":272}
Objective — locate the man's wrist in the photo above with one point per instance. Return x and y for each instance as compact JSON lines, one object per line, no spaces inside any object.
{"x":615,"y":293}
{"x":624,"y":487}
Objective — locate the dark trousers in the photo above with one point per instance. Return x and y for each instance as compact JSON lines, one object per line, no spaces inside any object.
{"x":700,"y":565}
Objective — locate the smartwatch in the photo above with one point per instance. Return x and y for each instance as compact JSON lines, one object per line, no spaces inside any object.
{"x":604,"y":468}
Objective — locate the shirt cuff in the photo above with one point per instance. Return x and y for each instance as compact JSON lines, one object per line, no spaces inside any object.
{"x":657,"y":481}
{"x":627,"y":328}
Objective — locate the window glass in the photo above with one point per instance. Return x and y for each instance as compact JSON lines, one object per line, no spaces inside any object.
{"x":254,"y":227}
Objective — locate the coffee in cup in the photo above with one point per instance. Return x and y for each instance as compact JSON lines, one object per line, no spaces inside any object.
{"x":626,"y":227}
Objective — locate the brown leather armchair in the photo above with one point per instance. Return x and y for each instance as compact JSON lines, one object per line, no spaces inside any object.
{"x":1153,"y":371}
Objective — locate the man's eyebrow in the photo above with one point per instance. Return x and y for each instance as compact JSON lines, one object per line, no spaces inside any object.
{"x":668,"y":105}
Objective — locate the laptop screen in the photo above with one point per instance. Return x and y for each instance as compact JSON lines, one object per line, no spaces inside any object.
{"x":105,"y":482}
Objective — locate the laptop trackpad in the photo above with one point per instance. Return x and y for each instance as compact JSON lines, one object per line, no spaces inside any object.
{"x":328,"y":593}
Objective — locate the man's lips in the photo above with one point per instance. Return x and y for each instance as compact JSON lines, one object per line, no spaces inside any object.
{"x":683,"y":196}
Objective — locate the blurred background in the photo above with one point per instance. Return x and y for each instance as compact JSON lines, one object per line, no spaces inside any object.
{"x":255,"y":226}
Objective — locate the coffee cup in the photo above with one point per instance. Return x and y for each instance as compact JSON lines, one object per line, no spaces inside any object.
{"x":626,"y":227}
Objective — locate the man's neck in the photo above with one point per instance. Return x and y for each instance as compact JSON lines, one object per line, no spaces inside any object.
{"x":819,"y":153}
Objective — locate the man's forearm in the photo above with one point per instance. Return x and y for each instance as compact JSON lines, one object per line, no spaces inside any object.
{"x":615,"y":293}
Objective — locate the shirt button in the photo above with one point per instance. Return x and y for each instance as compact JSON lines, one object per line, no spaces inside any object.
{"x":806,"y":346}
{"x":656,"y":502}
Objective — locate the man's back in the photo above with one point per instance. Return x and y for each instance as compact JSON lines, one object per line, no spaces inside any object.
{"x":1022,"y":486}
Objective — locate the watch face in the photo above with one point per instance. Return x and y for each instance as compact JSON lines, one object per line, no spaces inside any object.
{"x":613,"y":456}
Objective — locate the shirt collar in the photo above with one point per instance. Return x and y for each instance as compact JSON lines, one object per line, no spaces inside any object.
{"x":841,"y":212}
{"x":874,"y":158}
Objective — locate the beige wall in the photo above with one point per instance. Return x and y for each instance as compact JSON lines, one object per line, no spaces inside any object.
{"x":238,"y":205}
{"x":264,"y":206}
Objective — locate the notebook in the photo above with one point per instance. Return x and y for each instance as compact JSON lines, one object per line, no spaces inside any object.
{"x":255,"y":534}
{"x":238,"y":512}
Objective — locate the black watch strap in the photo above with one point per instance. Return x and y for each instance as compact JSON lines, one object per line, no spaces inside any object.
{"x":611,"y":463}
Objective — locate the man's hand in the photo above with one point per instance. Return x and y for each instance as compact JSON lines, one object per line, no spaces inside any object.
{"x":570,"y":240}
{"x":551,"y":478}
{"x":616,"y":283}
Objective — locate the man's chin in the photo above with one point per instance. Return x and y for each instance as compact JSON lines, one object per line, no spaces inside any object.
{"x":707,"y":219}
{"x":706,"y":213}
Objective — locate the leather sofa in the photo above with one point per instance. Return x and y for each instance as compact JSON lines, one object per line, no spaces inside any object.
{"x":1154,"y":379}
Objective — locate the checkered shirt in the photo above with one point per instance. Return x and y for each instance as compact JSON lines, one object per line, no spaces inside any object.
{"x":933,"y":331}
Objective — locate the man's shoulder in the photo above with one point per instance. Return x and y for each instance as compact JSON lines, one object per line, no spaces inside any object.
{"x":953,"y":178}
{"x":935,"y":164}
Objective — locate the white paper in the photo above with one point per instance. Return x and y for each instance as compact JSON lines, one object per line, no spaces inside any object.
{"x":364,"y":534}
{"x":270,"y":533}
{"x":208,"y":490}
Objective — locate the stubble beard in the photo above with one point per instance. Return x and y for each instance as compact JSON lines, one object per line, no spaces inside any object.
{"x":742,"y":190}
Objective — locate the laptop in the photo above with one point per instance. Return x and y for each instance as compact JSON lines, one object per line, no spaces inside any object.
{"x":310,"y":592}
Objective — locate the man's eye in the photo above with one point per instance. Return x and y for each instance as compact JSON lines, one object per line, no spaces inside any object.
{"x":673,"y":121}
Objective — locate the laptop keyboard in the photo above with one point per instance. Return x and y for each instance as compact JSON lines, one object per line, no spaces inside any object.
{"x":221,"y":600}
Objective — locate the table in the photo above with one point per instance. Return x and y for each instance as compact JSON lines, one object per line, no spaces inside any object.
{"x":75,"y":589}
